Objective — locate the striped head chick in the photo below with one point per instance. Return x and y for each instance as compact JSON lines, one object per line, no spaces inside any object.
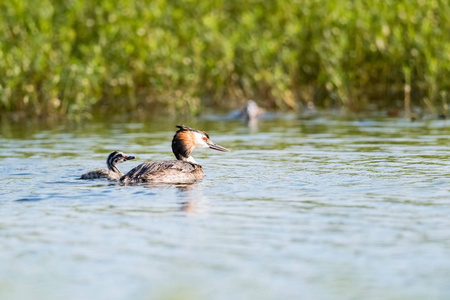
{"x":115,"y":158}
{"x":113,"y":173}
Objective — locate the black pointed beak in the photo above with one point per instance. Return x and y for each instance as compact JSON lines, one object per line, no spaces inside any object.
{"x":217,"y":147}
{"x":129,"y":157}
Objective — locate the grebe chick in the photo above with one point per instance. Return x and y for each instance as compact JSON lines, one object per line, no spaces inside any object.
{"x":113,"y":173}
{"x":183,"y":170}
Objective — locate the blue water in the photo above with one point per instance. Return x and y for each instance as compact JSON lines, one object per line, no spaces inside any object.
{"x":320,"y":208}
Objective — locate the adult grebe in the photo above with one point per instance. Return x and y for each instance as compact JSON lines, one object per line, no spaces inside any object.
{"x":252,"y":112}
{"x":113,"y":173}
{"x":183,"y":170}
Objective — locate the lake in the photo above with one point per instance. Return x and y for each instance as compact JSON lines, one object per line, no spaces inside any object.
{"x":323,"y":207}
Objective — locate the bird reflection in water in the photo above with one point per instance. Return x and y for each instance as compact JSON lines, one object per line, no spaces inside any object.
{"x":190,"y":196}
{"x":193,"y":199}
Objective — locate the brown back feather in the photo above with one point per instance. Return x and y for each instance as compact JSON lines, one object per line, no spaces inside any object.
{"x":174,"y":171}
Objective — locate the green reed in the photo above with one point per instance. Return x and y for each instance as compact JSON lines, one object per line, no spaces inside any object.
{"x":71,"y":57}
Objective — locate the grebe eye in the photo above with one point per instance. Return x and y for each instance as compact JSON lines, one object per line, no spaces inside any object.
{"x":204,"y":138}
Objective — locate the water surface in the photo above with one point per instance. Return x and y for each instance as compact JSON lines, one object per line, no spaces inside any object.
{"x":319,"y":208}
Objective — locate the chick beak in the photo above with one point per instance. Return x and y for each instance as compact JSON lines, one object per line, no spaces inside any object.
{"x":129,"y":157}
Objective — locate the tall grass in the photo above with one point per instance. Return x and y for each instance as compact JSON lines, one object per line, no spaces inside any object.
{"x":70,"y":57}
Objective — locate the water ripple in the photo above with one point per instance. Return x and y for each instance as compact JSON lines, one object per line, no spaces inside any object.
{"x":325,"y":208}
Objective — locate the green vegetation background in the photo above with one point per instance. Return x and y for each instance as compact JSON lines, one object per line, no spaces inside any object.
{"x":74,"y":57}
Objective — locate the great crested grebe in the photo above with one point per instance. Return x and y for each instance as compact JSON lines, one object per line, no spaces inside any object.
{"x":113,"y":173}
{"x":183,"y":170}
{"x":252,"y":112}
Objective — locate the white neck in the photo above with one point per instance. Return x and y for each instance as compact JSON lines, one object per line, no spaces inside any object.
{"x":190,"y":159}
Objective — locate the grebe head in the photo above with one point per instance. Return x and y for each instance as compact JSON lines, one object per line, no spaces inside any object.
{"x":186,"y":139}
{"x":115,"y":158}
